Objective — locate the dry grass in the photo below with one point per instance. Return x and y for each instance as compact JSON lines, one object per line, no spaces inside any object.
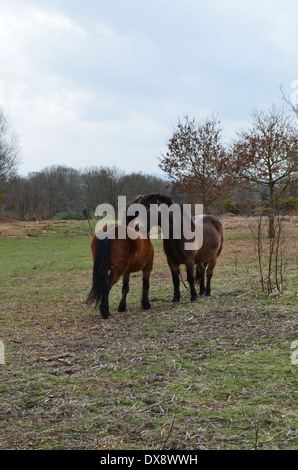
{"x":215,"y":375}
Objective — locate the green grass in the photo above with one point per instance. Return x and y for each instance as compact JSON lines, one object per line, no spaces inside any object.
{"x":214,"y":375}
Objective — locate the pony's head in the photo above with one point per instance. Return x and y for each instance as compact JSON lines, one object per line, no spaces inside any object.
{"x":146,"y":200}
{"x":155,"y":198}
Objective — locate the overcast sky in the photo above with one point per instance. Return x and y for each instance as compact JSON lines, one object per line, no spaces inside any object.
{"x":104,"y":83}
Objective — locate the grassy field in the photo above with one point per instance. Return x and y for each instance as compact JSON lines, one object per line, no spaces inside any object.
{"x":212,"y":375}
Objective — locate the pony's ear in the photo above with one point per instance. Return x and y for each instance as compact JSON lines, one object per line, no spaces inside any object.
{"x":157,"y":198}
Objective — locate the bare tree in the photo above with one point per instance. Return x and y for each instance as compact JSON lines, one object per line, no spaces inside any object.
{"x":9,"y":147}
{"x":37,"y":197}
{"x":264,"y":157}
{"x":101,"y":185}
{"x":270,"y":252}
{"x":196,"y":161}
{"x":62,"y":185}
{"x":16,"y":200}
{"x":292,"y":101}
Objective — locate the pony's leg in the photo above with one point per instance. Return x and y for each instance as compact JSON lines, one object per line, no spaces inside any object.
{"x":209,"y":275}
{"x":125,"y":290}
{"x":145,"y":293}
{"x":113,"y":277}
{"x":191,"y":281}
{"x":200,"y":278}
{"x":174,"y":267}
{"x":104,"y":306}
{"x":145,"y":298}
{"x":146,"y":278}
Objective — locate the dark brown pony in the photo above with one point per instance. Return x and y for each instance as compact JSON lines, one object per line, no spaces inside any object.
{"x":113,"y":258}
{"x":205,"y":258}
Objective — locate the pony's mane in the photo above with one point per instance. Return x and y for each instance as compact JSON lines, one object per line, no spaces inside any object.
{"x":134,"y":201}
{"x":165,"y":199}
{"x":155,"y":198}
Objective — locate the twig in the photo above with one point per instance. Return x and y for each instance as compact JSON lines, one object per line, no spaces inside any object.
{"x":91,"y":228}
{"x":257,"y":434}
{"x":183,"y":282}
{"x":170,"y":430}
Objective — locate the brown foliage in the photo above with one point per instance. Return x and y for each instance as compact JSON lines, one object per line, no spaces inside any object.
{"x":265,"y":157}
{"x":196,"y":161}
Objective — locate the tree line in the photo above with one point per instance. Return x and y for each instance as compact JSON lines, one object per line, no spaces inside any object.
{"x":259,"y":164}
{"x":63,"y":192}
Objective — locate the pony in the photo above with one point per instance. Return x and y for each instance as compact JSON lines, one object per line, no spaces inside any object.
{"x":203,"y":258}
{"x":114,"y":257}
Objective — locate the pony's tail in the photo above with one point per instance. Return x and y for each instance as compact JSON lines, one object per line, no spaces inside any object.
{"x":100,"y":270}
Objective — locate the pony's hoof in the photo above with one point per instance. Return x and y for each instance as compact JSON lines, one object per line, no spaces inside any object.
{"x":106,"y":317}
{"x":175,"y":301}
{"x":194,"y":301}
{"x":121,"y":309}
{"x":146,"y":306}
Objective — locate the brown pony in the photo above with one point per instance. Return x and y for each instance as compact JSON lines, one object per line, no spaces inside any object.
{"x":204,"y":258}
{"x":113,"y":258}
